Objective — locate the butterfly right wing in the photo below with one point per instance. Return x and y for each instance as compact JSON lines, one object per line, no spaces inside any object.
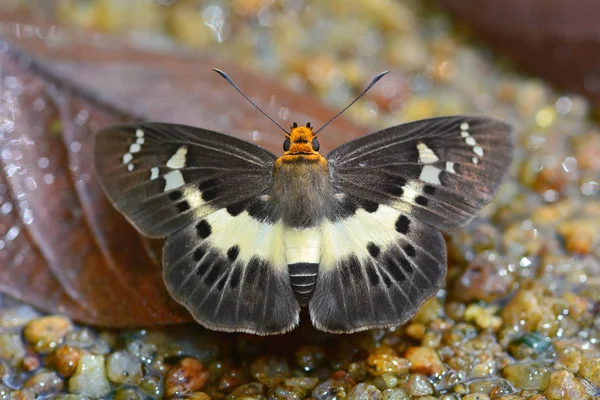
{"x":202,"y":190}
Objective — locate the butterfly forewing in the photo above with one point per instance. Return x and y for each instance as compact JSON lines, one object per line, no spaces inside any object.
{"x":163,"y":176}
{"x":199,"y":188}
{"x":440,"y":170}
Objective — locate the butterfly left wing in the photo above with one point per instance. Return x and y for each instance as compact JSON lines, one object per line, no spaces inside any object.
{"x":203,"y":191}
{"x":385,"y":255}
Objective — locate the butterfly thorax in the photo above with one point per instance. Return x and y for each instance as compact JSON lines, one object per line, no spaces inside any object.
{"x":302,"y":193}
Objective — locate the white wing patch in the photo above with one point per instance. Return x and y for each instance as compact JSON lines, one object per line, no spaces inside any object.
{"x":353,"y":235}
{"x":430,"y":174}
{"x":470,"y":141}
{"x":252,"y":237}
{"x":177,"y":161}
{"x":133,"y":148}
{"x":426,"y":155}
{"x":173,"y":180}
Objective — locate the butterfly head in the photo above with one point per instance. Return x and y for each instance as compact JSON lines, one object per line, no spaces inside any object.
{"x":301,"y":141}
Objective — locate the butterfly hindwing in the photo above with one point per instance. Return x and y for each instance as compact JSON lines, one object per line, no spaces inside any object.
{"x":377,"y":267}
{"x":440,"y":170}
{"x":162,"y":176}
{"x":230,"y":272}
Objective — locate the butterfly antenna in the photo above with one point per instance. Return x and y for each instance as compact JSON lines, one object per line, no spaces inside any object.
{"x":228,"y":79}
{"x":374,"y":81}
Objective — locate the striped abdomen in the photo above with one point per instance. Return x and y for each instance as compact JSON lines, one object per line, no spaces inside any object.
{"x":303,"y":278}
{"x":302,"y":253}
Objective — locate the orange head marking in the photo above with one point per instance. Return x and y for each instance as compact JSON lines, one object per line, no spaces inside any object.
{"x":301,"y":141}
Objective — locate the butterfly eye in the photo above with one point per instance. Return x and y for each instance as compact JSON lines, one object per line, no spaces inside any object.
{"x":315,"y":145}
{"x":286,"y":145}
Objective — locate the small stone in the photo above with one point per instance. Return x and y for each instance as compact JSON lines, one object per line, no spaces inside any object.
{"x":309,"y":357}
{"x":126,"y":394}
{"x":395,"y":394}
{"x":528,"y":376}
{"x":31,"y":361}
{"x":483,"y":369}
{"x":18,"y":316}
{"x":564,"y":386}
{"x":187,"y":376}
{"x":23,"y":394}
{"x":12,"y":348}
{"x":250,"y":390}
{"x":331,"y":389}
{"x":46,"y":333}
{"x":418,"y":385}
{"x":90,"y":377}
{"x":198,"y":396}
{"x":270,"y":370}
{"x":364,"y":391}
{"x":122,"y":367}
{"x":429,"y":311}
{"x":386,"y":360}
{"x":66,"y":359}
{"x":231,"y":379}
{"x":530,"y":345}
{"x":153,"y":384}
{"x":483,"y":317}
{"x":590,"y":370}
{"x":415,"y":330}
{"x":44,"y":383}
{"x":424,"y":360}
{"x":302,"y":382}
{"x":579,"y":235}
{"x":483,"y":280}
{"x":476,"y":396}
{"x":286,"y":393}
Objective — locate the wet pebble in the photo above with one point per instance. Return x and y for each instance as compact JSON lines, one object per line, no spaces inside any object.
{"x":253,"y":390}
{"x":46,"y":333}
{"x":186,"y":376}
{"x":122,"y":367}
{"x":528,"y":375}
{"x":66,"y":359}
{"x":331,"y":389}
{"x":590,"y":370}
{"x":12,"y":348}
{"x":564,"y":385}
{"x":483,"y":280}
{"x":270,"y":370}
{"x":385,"y":360}
{"x":395,"y":394}
{"x":307,"y":383}
{"x":424,"y":360}
{"x":17,"y":316}
{"x":418,"y":385}
{"x":90,"y":377}
{"x":286,"y":393}
{"x":44,"y":383}
{"x":364,"y":391}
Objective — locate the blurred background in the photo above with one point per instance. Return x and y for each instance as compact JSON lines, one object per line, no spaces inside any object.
{"x":85,"y":310}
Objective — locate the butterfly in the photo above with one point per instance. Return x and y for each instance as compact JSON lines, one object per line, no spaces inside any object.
{"x":355,"y":235}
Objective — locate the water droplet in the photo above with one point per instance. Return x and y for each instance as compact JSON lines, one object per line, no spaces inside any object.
{"x":48,"y":179}
{"x":39,"y":105}
{"x":563,"y":105}
{"x":6,"y":208}
{"x":12,"y":233}
{"x":284,"y":113}
{"x":75,"y":147}
{"x":81,"y":117}
{"x":43,"y":162}
{"x":590,"y":188}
